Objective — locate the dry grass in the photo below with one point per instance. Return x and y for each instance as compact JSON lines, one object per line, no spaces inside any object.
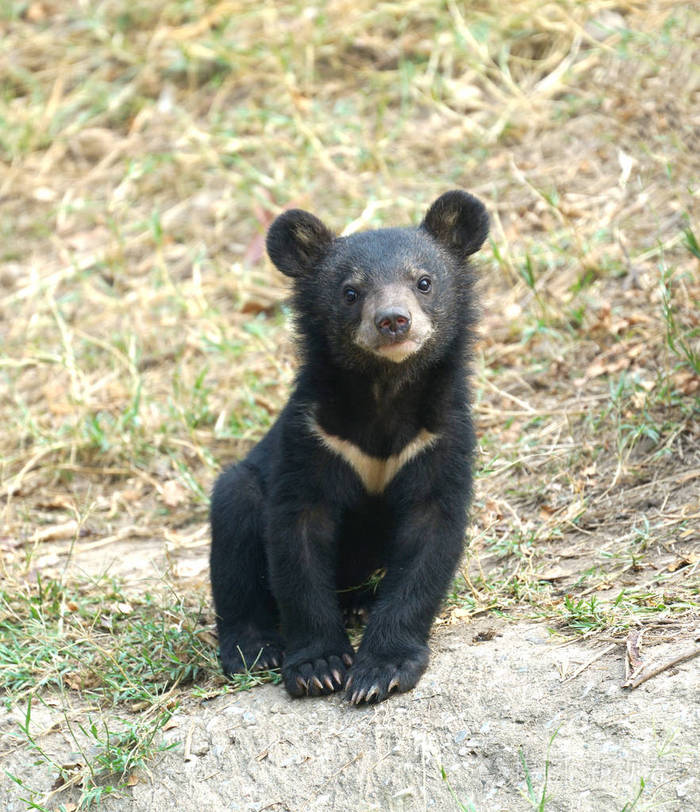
{"x":144,"y":340}
{"x":144,"y":149}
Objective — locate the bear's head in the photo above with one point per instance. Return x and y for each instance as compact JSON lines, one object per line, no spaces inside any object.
{"x":394,"y":296}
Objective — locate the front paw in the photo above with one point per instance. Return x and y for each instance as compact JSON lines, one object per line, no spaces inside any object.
{"x":305,"y":674}
{"x":373,"y":677}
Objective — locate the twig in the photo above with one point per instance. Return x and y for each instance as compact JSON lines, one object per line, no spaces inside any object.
{"x":634,"y":682}
{"x":528,"y":409}
{"x":634,"y":663}
{"x":187,"y":756}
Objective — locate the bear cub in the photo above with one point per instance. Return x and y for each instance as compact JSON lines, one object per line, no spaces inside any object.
{"x":367,"y":469}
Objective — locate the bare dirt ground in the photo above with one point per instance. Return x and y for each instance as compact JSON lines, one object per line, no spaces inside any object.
{"x":500,"y":705}
{"x":145,"y":342}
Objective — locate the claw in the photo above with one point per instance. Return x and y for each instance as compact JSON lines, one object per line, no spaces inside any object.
{"x":393,"y":684}
{"x":303,"y":684}
{"x":317,"y":682}
{"x":360,"y":696}
{"x":373,"y":691}
{"x":328,"y":683}
{"x":336,"y":676}
{"x":347,"y":659}
{"x":348,"y":682}
{"x":353,"y":698}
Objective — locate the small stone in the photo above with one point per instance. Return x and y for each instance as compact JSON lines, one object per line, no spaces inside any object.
{"x":684,"y":787}
{"x":199,"y":747}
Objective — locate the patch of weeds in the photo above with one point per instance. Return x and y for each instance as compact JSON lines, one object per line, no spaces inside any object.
{"x":596,"y":572}
{"x":108,"y":756}
{"x":192,"y":402}
{"x":188,"y":478}
{"x":524,"y":588}
{"x":250,"y":679}
{"x":538,"y":800}
{"x":103,"y":430}
{"x":681,"y":339}
{"x":461,"y":805}
{"x":108,"y":647}
{"x":585,"y":615}
{"x":465,"y":601}
{"x":111,"y":650}
{"x":516,"y":543}
{"x":630,"y":805}
{"x":630,"y":410}
{"x":629,"y":608}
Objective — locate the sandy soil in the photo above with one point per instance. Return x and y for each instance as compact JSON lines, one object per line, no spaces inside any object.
{"x":482,"y":703}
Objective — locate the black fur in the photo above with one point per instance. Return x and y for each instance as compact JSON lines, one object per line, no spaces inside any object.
{"x":295,"y":533}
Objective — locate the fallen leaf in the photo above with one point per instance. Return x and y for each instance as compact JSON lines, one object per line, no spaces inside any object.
{"x":207,"y":637}
{"x":681,"y":562}
{"x":73,"y":680}
{"x":553,"y":574}
{"x":66,"y":530}
{"x":190,"y":568}
{"x":172,"y":493}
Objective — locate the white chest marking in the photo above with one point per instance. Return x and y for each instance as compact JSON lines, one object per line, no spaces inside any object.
{"x":375,"y":472}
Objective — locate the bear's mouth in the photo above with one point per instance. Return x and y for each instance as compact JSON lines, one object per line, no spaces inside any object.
{"x":398,"y":350}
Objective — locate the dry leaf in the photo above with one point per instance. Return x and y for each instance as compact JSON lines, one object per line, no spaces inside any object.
{"x":208,"y":637}
{"x":679,"y":563}
{"x":172,"y":493}
{"x":67,"y":530}
{"x":553,"y":574}
{"x":190,"y":568}
{"x":460,"y":611}
{"x":73,"y":680}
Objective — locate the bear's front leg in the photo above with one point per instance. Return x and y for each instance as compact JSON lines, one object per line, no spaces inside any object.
{"x":302,"y":559}
{"x":394,"y":651}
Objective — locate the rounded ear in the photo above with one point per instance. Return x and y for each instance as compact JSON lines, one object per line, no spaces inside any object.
{"x":458,"y":221}
{"x":296,"y":242}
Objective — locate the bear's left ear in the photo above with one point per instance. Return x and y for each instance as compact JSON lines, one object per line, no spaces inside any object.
{"x":458,"y":221}
{"x":296,"y":242}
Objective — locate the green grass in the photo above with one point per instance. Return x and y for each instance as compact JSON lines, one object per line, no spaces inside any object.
{"x":109,"y":753}
{"x":146,"y":340}
{"x":92,"y":638}
{"x":129,"y":657}
{"x":538,"y":799}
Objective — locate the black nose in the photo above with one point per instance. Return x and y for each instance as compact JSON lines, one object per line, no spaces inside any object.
{"x":392,"y":321}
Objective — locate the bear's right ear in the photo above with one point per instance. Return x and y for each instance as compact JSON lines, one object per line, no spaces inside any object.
{"x":296,"y":242}
{"x":458,"y":221}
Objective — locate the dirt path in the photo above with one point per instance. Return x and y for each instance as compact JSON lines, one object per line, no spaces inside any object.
{"x":482,"y":712}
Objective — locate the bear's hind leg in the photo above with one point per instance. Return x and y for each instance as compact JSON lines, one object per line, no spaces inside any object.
{"x":246,"y":613}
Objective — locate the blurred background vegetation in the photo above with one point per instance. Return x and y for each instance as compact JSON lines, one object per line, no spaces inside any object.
{"x":144,"y":336}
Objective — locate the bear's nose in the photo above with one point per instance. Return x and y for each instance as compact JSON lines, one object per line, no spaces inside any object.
{"x":392,"y":321}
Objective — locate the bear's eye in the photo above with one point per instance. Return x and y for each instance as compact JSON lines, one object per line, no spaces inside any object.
{"x":350,"y":295}
{"x":424,"y":284}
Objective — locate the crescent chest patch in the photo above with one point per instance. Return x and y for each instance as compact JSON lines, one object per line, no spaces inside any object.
{"x":374,"y":472}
